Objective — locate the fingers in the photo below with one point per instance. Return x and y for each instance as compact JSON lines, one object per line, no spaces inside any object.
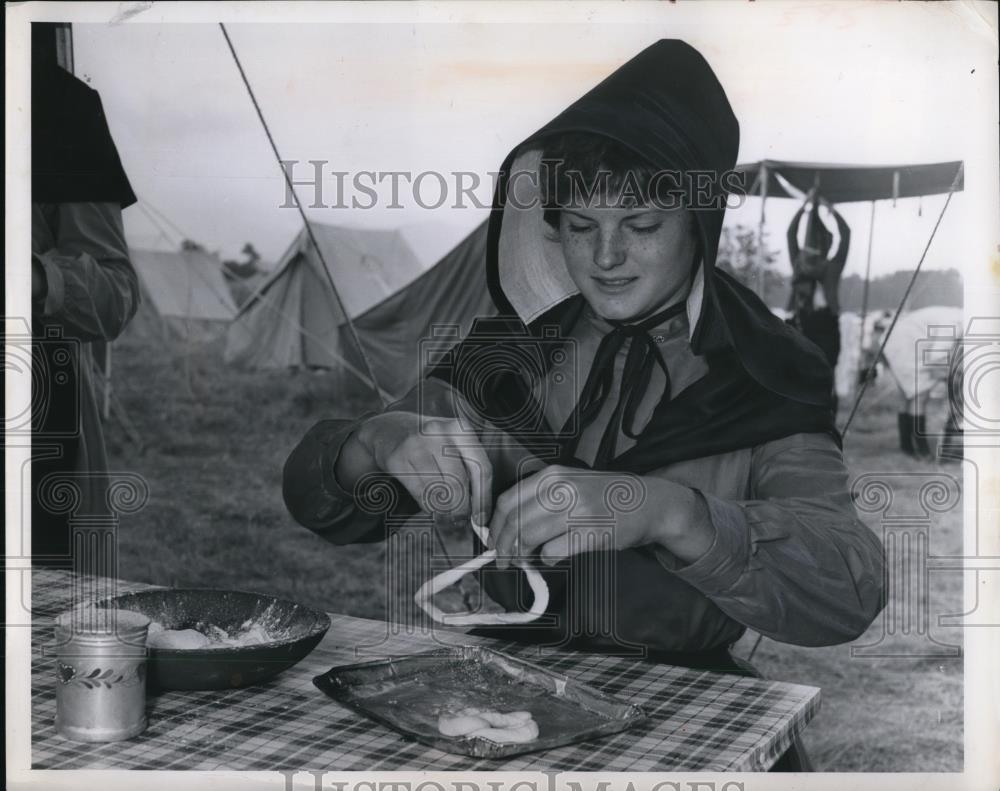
{"x":449,"y":455}
{"x":436,"y":488}
{"x":462,"y":456}
{"x":506,"y":504}
{"x":526,"y":519}
{"x":479,"y":473}
{"x":504,"y":526}
{"x":453,"y":474}
{"x":401,"y":468}
{"x":521,"y":523}
{"x":559,"y":548}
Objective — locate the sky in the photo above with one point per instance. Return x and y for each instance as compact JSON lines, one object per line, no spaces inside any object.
{"x":817,"y":84}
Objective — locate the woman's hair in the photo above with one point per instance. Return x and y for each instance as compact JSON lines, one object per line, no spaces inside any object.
{"x":584,"y":165}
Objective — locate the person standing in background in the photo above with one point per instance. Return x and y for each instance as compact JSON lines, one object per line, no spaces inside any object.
{"x":83,"y":290}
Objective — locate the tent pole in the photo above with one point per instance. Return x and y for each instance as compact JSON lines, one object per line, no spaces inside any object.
{"x":864,"y":294}
{"x":369,"y":370}
{"x":759,"y":284}
{"x":902,"y":301}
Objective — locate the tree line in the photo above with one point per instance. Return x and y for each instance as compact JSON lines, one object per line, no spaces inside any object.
{"x":738,"y":255}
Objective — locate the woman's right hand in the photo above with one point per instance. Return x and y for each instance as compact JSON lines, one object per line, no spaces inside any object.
{"x":423,"y":452}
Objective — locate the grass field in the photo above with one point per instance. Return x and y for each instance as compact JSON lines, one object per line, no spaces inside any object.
{"x":213,"y":442}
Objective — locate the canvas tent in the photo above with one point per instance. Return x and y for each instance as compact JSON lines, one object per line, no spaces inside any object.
{"x":920,"y":347}
{"x":183,"y":294}
{"x":392,"y":298}
{"x":242,"y":287}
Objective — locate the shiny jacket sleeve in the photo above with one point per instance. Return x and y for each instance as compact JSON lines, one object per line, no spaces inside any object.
{"x":91,"y":288}
{"x":312,"y":494}
{"x":793,"y":561}
{"x":316,"y":500}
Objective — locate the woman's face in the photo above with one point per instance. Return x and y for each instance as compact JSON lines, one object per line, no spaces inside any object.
{"x":628,"y":262}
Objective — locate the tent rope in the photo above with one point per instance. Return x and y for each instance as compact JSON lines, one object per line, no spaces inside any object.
{"x":902,"y":302}
{"x":266,"y":302}
{"x":120,"y":412}
{"x":312,"y":238}
{"x":864,"y":293}
{"x":149,"y":208}
{"x":315,"y":244}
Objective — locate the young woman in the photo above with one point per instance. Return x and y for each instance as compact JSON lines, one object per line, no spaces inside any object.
{"x":633,"y":422}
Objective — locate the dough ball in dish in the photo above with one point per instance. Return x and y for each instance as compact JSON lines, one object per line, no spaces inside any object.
{"x":510,"y":719}
{"x":497,"y":719}
{"x":178,"y":639}
{"x":460,"y":724}
{"x":511,"y":727}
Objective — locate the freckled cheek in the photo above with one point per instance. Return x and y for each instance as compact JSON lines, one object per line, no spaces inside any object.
{"x":578,"y":253}
{"x":648,"y":258}
{"x":661,"y":256}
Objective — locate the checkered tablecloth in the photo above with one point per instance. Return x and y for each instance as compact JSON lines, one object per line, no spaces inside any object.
{"x":697,"y":720}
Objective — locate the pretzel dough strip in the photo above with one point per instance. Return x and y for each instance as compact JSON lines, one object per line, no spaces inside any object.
{"x":424,"y":597}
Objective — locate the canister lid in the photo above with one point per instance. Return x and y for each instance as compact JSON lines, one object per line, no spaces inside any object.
{"x":88,"y":619}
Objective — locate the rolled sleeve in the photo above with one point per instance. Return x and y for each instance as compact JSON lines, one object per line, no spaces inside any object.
{"x":55,"y":286}
{"x":310,"y":489}
{"x":720,"y":568}
{"x":92,"y":288}
{"x":792,"y":561}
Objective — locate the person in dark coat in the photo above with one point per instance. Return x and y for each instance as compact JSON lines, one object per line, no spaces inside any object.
{"x":84,"y":290}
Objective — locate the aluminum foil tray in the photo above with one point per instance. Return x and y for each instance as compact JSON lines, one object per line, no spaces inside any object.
{"x":408,"y":693}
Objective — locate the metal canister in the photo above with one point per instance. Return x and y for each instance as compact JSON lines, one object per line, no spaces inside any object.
{"x":101,"y":674}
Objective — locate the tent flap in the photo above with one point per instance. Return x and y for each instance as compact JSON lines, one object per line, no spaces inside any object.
{"x":394,"y":303}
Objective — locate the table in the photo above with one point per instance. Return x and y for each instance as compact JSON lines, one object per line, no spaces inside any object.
{"x":698,"y":720}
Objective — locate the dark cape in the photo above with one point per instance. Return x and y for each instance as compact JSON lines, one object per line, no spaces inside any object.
{"x":764,"y":381}
{"x":73,"y":160}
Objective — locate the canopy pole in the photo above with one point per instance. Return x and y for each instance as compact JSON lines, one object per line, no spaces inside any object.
{"x":369,"y":370}
{"x":864,"y":293}
{"x":902,"y":302}
{"x":759,"y":280}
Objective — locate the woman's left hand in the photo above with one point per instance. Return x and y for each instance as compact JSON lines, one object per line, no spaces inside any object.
{"x":566,"y":511}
